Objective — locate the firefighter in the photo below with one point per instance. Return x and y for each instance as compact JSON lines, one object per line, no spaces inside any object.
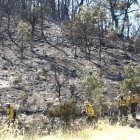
{"x":133,"y":102}
{"x":123,"y":107}
{"x":90,"y":111}
{"x":10,"y":113}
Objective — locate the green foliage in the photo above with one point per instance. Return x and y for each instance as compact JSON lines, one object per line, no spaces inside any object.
{"x":17,"y":80}
{"x":22,"y":35}
{"x":132,"y":80}
{"x":94,"y":86}
{"x":45,"y":4}
{"x":22,"y":31}
{"x":86,"y":24}
{"x":91,"y":17}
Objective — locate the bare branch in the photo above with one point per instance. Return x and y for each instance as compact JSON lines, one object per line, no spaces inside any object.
{"x":127,"y":12}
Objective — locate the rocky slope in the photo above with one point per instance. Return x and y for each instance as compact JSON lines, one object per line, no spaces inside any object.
{"x":36,"y":71}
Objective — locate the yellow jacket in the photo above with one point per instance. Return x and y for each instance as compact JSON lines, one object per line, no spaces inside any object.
{"x":133,"y":99}
{"x":10,"y":114}
{"x":89,"y":109}
{"x":122,"y":102}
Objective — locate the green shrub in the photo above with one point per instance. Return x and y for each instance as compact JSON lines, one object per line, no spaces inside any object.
{"x":65,"y":111}
{"x":132,"y":79}
{"x":17,"y":81}
{"x":94,"y":86}
{"x":68,"y":110}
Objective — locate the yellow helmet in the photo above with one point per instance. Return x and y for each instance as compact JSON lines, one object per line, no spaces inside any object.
{"x":121,"y":95}
{"x":7,"y":105}
{"x":129,"y":92}
{"x":87,"y":103}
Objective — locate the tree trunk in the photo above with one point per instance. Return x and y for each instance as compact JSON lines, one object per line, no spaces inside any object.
{"x":128,"y":31}
{"x":42,"y":20}
{"x":53,"y":8}
{"x":124,"y":20}
{"x":66,"y":10}
{"x":1,"y":12}
{"x":100,"y":35}
{"x":58,"y":11}
{"x":22,"y":48}
{"x":114,"y":17}
{"x":23,"y":9}
{"x":32,"y":40}
{"x":32,"y":32}
{"x":72,"y":12}
{"x":62,"y":10}
{"x":58,"y":89}
{"x":75,"y":52}
{"x":8,"y":24}
{"x":80,"y":5}
{"x":89,"y":53}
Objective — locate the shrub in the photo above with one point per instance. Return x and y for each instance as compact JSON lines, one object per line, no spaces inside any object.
{"x":112,"y":34}
{"x":132,"y":79}
{"x":94,"y":86}
{"x":68,"y":110}
{"x":22,"y":34}
{"x":18,"y":80}
{"x":65,"y":111}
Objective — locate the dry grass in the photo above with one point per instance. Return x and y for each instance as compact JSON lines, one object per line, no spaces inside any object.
{"x":102,"y":132}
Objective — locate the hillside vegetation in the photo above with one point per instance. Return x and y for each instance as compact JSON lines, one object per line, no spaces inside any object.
{"x":102,"y":132}
{"x":55,"y":55}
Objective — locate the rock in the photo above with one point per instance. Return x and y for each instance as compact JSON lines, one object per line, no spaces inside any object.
{"x":41,"y":44}
{"x":49,"y":100}
{"x":42,"y":78}
{"x":4,"y":68}
{"x":37,"y":50}
{"x":19,"y":87}
{"x":30,"y":94}
{"x":73,"y":74}
{"x":47,"y":26}
{"x":42,"y":41}
{"x":36,"y":39}
{"x":15,"y":37}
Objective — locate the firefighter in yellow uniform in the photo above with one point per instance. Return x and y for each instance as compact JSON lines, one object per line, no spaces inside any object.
{"x":133,"y":102}
{"x":10,"y":113}
{"x":123,"y":107}
{"x":90,"y":112}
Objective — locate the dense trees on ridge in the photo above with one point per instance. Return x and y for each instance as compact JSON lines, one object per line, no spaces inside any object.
{"x":85,"y":20}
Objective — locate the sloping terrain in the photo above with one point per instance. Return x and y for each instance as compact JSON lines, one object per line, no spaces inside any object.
{"x":54,"y":54}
